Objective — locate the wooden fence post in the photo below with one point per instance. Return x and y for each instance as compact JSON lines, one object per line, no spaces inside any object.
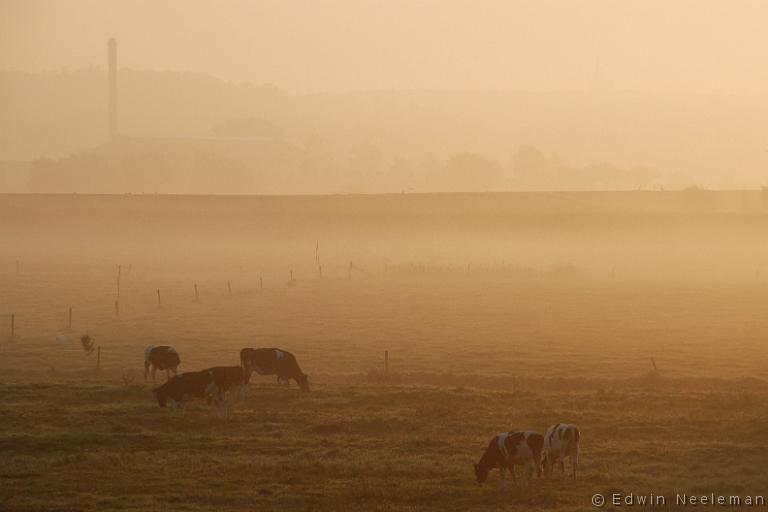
{"x":119,"y":271}
{"x":229,"y":287}
{"x":159,"y":304}
{"x":13,"y":325}
{"x":98,"y":357}
{"x":291,"y":275}
{"x":653,"y":362}
{"x":70,"y":317}
{"x":386,"y":361}
{"x":261,"y":282}
{"x":117,"y":309}
{"x":197,"y":297}
{"x":349,"y":272}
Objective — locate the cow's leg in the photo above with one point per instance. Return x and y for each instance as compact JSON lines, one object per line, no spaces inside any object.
{"x":220,"y":405}
{"x":154,"y":371}
{"x":146,"y":370}
{"x":501,"y":478}
{"x":225,"y":399}
{"x":529,"y":470}
{"x":562,"y":468}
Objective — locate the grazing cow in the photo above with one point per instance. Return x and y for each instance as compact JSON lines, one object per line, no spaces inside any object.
{"x":510,"y":449}
{"x":184,"y":386}
{"x":561,"y":441}
{"x":273,"y":361}
{"x":161,"y":358}
{"x":229,"y":381}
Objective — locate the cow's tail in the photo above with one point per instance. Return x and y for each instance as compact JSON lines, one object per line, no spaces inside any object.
{"x":576,"y":436}
{"x":245,"y":363}
{"x":575,"y":450}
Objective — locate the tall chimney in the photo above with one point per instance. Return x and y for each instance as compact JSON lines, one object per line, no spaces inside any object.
{"x":112,"y":55}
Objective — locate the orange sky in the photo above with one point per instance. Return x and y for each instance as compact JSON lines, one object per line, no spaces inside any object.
{"x":332,"y":45}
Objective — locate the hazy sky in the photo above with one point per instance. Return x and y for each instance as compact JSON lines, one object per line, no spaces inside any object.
{"x":312,"y":45}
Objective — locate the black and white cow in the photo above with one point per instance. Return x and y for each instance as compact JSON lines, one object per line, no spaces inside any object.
{"x":273,"y":361}
{"x":510,"y":449}
{"x":229,"y":382}
{"x":188,"y":385}
{"x":561,"y":441}
{"x":161,"y":358}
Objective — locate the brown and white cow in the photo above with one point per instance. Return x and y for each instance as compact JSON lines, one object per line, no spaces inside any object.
{"x":273,"y":361}
{"x":561,"y":441}
{"x":188,"y":385}
{"x":229,"y":381}
{"x":510,"y":449}
{"x":161,"y":358}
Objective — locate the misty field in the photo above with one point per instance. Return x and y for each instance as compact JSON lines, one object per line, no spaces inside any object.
{"x":495,"y":318}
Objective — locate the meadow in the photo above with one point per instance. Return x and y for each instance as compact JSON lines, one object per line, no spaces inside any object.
{"x":640,"y":320}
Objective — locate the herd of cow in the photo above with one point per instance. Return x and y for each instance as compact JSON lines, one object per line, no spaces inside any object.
{"x":532,"y":451}
{"x":218,"y":383}
{"x":505,"y":451}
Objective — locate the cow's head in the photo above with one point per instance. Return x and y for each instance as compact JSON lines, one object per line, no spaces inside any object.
{"x":481,"y":473}
{"x":303,"y":381}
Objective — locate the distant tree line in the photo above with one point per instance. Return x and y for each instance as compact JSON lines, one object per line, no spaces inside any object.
{"x":314,"y":170}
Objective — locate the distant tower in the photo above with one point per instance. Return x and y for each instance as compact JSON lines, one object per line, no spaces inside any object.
{"x":112,"y":56}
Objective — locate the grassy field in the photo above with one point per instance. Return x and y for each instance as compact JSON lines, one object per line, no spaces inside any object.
{"x":96,"y":445}
{"x":479,"y":342}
